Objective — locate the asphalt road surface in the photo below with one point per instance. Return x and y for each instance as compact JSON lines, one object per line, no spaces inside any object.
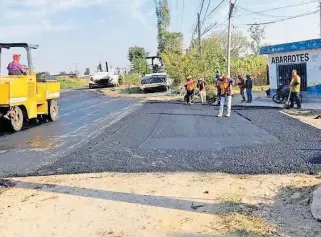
{"x":84,"y":114}
{"x":99,"y":134}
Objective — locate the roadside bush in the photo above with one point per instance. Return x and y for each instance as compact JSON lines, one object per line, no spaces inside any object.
{"x":132,"y":79}
{"x":71,"y":83}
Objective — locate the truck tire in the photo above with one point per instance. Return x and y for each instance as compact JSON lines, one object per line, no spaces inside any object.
{"x":16,"y":119}
{"x":53,"y":110}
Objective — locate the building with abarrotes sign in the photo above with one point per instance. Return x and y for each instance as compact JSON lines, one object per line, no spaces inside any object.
{"x":303,"y":56}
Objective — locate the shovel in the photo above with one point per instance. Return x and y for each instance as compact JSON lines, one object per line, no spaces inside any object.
{"x":197,"y":94}
{"x":287,"y":102}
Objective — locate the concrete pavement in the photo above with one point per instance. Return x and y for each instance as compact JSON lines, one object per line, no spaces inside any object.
{"x":260,"y":100}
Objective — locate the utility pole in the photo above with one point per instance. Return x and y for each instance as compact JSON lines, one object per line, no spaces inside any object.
{"x":199,"y":32}
{"x":232,"y":4}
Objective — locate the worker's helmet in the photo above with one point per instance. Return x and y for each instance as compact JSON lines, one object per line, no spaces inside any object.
{"x":218,"y":75}
{"x":16,"y":56}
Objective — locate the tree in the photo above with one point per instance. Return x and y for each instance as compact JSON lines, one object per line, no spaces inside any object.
{"x":137,"y":52}
{"x":257,"y":34}
{"x":173,"y":42}
{"x":137,"y":57}
{"x":254,"y":65}
{"x":179,"y":65}
{"x":163,"y":22}
{"x":239,"y":46}
{"x":87,"y":71}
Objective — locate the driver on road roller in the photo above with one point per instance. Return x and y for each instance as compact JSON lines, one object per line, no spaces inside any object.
{"x":15,"y":68}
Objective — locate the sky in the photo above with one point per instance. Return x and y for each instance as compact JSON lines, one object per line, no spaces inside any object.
{"x":81,"y":33}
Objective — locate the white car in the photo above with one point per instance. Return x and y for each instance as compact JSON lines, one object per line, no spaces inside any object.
{"x":103,"y":79}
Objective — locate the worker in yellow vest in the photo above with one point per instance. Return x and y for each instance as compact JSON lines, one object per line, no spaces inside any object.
{"x":295,"y":86}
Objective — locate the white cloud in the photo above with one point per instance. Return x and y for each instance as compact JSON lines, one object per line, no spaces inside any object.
{"x":32,"y":15}
{"x":32,"y":28}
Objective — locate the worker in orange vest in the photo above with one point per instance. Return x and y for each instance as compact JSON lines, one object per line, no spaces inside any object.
{"x":189,"y":85}
{"x":226,"y":96}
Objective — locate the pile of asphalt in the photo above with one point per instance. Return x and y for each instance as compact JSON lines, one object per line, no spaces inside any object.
{"x":119,"y":148}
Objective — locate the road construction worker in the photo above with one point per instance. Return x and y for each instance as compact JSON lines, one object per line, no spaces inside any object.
{"x":218,"y":81}
{"x":226,"y":96}
{"x":249,"y":87}
{"x":189,"y":85}
{"x":295,"y":86}
{"x":201,"y":85}
{"x":241,"y":84}
{"x":15,"y":68}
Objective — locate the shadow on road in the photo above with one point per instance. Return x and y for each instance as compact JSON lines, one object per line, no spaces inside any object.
{"x":285,"y":214}
{"x":146,"y":200}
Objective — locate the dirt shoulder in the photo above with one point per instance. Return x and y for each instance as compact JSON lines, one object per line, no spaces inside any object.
{"x":159,"y":204}
{"x":136,"y":93}
{"x":306,"y":116}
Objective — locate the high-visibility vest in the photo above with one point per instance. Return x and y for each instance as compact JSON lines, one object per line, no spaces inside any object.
{"x":225,"y":87}
{"x":296,"y":80}
{"x":190,"y":85}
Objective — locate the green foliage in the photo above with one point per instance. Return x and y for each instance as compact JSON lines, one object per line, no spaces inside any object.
{"x":87,"y":71}
{"x":214,"y":52}
{"x":239,"y":46}
{"x":132,"y":79}
{"x":137,"y":56}
{"x":179,"y":66}
{"x":137,"y":52}
{"x":163,"y":22}
{"x":254,"y":65}
{"x":71,"y":83}
{"x":173,"y":42}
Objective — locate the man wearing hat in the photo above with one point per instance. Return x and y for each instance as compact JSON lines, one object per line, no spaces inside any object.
{"x":201,"y":85}
{"x":189,"y":84}
{"x":295,"y":86}
{"x":15,"y":68}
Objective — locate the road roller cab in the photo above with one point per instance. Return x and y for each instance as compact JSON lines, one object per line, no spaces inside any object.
{"x":26,"y":97}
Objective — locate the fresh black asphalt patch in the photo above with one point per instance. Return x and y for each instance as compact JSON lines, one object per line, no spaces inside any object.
{"x":168,"y":137}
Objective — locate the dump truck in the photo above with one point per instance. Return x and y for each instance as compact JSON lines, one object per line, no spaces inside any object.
{"x":24,"y":98}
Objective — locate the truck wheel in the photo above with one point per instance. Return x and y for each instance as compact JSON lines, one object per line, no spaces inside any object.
{"x":16,"y":119}
{"x":53,"y":110}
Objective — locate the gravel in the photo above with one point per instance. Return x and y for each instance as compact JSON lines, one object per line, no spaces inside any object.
{"x":169,"y":137}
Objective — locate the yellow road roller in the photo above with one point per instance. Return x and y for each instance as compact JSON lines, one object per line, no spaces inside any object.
{"x":28,"y":96}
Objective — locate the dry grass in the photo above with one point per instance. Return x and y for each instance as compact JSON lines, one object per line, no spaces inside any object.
{"x":247,"y":226}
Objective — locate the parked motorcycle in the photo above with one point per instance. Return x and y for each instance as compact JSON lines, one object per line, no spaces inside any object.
{"x":282,"y":94}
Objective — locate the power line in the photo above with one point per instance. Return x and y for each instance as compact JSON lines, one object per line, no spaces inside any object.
{"x":260,"y":13}
{"x":207,"y":7}
{"x":220,"y":4}
{"x":278,"y":8}
{"x":202,"y":5}
{"x":289,"y":18}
